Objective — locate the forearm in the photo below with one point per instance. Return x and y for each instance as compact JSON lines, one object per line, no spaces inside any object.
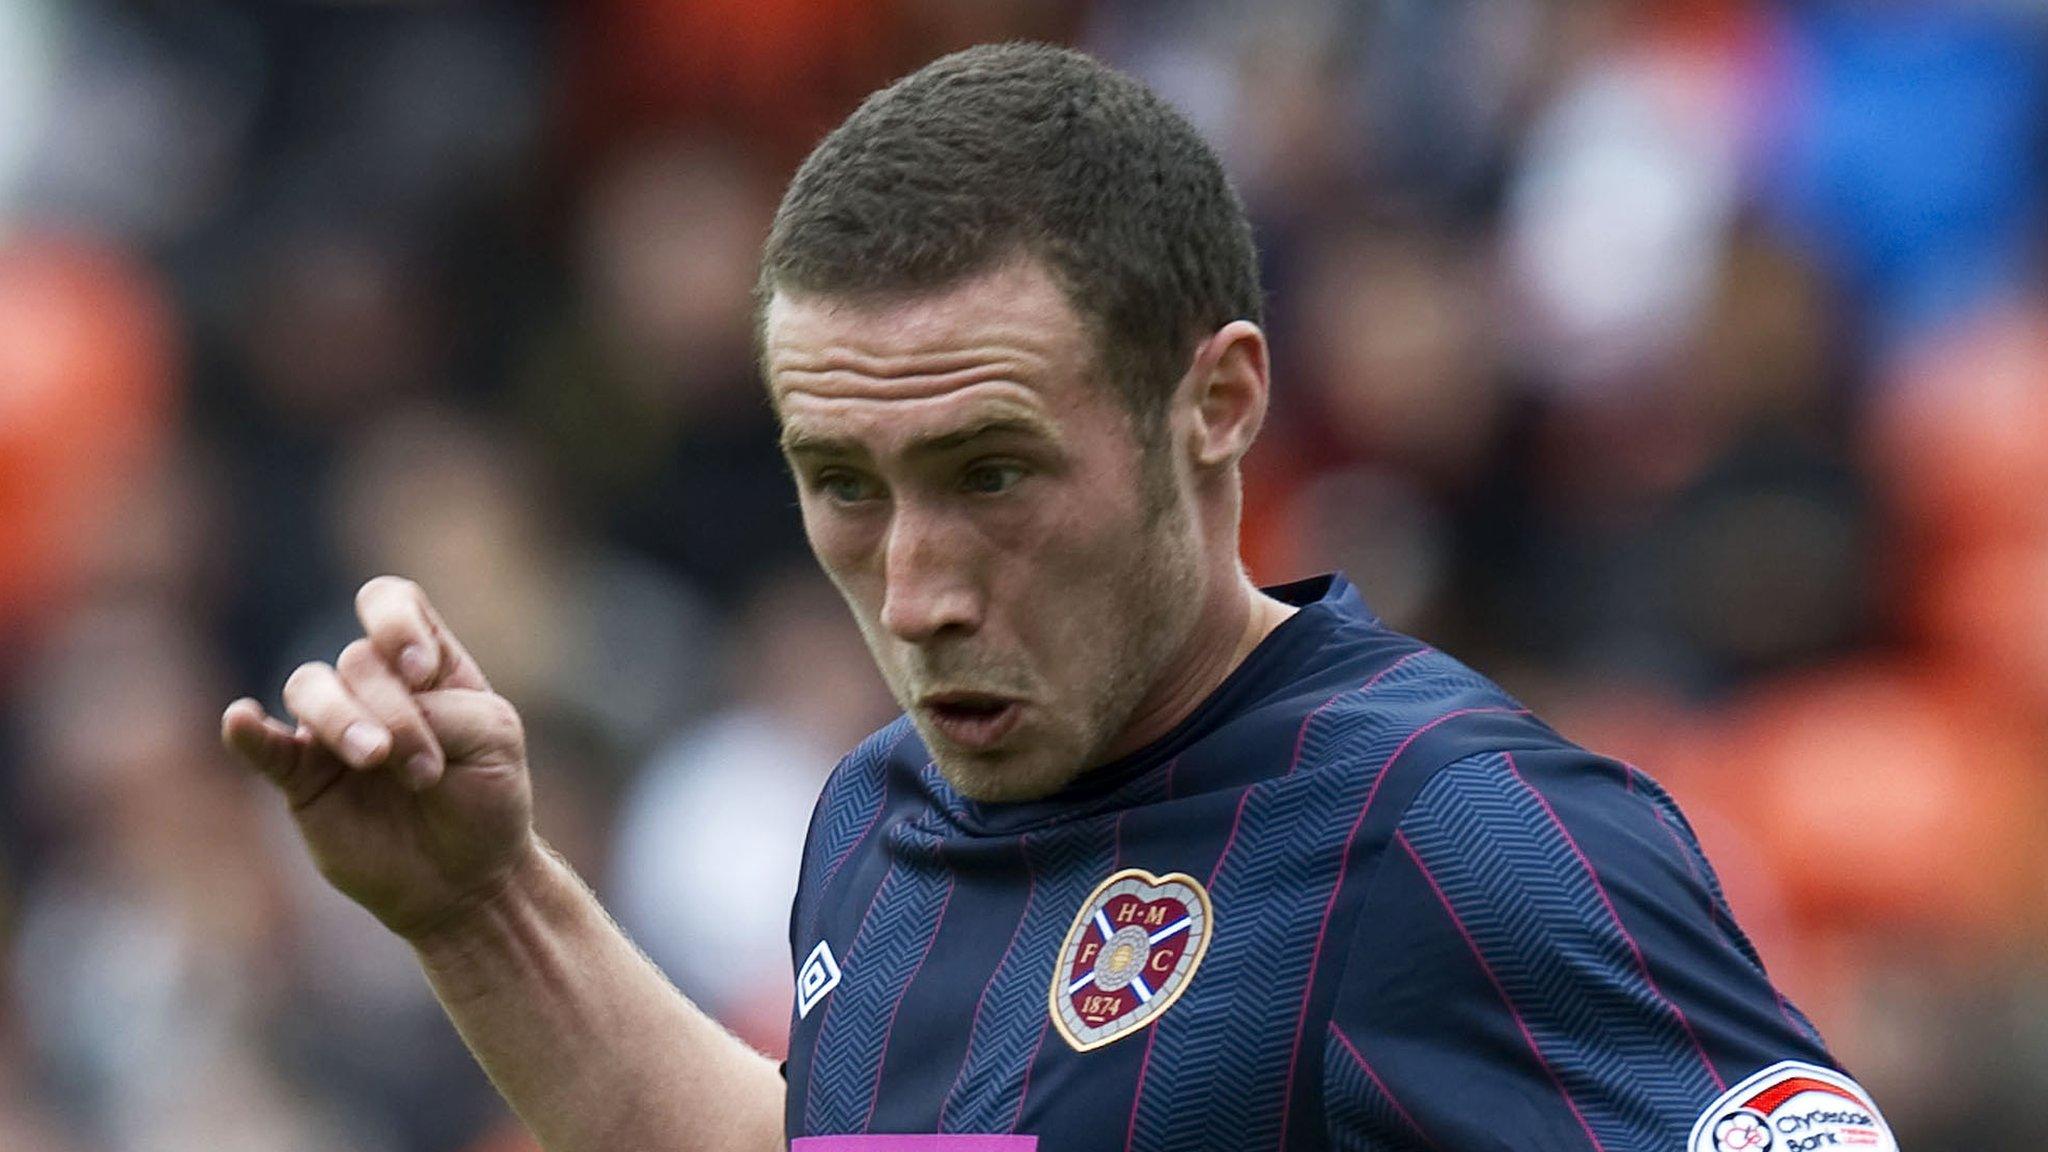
{"x":587,"y":1040}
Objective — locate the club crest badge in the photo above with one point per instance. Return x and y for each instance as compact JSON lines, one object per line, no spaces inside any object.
{"x":1792,"y":1107}
{"x":1132,"y":951}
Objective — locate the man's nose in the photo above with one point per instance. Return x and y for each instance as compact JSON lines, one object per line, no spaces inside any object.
{"x":929,"y":579}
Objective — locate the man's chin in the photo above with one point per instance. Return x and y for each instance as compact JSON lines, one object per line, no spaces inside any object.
{"x":1004,"y":777}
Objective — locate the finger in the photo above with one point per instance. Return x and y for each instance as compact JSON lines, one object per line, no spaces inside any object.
{"x":393,"y":615}
{"x":340,"y":722}
{"x":367,"y":677}
{"x":289,"y":757}
{"x":410,"y":634}
{"x":475,"y":727}
{"x":458,"y":668}
{"x":266,"y":743}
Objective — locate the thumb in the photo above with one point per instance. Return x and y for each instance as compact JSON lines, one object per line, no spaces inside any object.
{"x":267,"y":745}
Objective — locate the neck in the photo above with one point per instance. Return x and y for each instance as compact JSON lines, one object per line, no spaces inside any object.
{"x":1233,"y":621}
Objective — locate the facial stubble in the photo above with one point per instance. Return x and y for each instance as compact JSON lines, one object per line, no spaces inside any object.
{"x":1150,"y":607}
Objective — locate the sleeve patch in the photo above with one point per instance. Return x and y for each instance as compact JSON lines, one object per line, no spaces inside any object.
{"x":1793,"y":1106}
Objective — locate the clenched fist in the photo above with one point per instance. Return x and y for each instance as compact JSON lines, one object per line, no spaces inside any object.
{"x":406,"y":773}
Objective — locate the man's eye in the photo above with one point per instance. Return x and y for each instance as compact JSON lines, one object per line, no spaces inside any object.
{"x":845,"y":487}
{"x":991,"y":479}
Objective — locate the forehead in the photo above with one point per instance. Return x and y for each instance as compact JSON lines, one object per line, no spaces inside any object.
{"x":1007,"y":338}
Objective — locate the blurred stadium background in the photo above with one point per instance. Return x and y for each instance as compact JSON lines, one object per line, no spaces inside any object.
{"x":1682,"y":364}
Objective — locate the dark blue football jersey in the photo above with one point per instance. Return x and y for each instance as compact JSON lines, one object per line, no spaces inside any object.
{"x":1359,"y":899}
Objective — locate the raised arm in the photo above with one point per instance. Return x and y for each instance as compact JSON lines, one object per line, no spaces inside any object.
{"x":407,"y":776}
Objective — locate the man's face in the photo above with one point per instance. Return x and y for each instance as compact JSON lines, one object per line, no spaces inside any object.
{"x":978,"y":494}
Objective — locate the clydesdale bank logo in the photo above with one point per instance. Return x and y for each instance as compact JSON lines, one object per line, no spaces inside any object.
{"x":1793,"y":1107}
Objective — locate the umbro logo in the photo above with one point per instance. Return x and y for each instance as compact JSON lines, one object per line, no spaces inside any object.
{"x":819,"y":975}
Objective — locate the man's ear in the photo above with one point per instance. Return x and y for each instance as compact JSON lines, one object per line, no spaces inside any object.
{"x":1227,"y":387}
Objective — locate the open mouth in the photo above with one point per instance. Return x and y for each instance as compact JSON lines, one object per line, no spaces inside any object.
{"x":972,"y":720}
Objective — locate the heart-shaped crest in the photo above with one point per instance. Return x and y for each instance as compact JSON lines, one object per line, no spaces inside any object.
{"x":1132,"y":951}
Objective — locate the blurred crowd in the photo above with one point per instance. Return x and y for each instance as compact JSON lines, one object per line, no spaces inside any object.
{"x":1682,"y":365}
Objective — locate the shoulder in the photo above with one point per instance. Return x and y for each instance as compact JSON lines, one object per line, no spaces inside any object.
{"x":1569,"y":879}
{"x":863,"y":774}
{"x":1558,"y":902}
{"x":1408,"y":706}
{"x":1562,"y":804}
{"x":871,"y":757}
{"x":855,"y":790}
{"x":1587,"y":808}
{"x":1558,"y":825}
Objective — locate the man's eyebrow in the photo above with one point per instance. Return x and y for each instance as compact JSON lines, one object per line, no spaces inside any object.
{"x":799,"y":442}
{"x":993,"y":426}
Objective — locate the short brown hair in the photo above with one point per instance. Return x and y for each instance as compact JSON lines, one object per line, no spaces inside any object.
{"x":1029,"y":148}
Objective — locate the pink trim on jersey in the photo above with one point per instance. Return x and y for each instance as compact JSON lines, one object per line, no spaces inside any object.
{"x":1723,"y":922}
{"x":916,"y":1142}
{"x":1380,"y":1084}
{"x":818,"y":1037}
{"x":1230,"y":840}
{"x":1301,"y":737}
{"x":1024,"y":1092}
{"x":889,"y":1032}
{"x":1401,"y":838}
{"x":1145,"y":1065}
{"x":974,"y":1023}
{"x":1642,"y":965}
{"x":1323,"y":930}
{"x":881,"y":805}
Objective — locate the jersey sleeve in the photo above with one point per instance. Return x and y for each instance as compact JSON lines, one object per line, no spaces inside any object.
{"x":1543,"y":959}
